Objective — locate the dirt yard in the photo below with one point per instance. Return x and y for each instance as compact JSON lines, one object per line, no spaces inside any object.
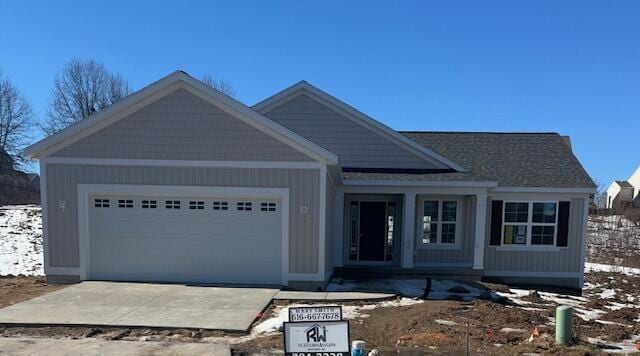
{"x":438,"y":327}
{"x":498,"y":325}
{"x":17,"y":289}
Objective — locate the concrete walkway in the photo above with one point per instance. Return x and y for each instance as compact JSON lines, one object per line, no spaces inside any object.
{"x":143,"y":305}
{"x":55,"y":347}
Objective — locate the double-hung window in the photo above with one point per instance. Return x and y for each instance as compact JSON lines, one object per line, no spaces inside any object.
{"x":440,"y":223}
{"x":530,"y":223}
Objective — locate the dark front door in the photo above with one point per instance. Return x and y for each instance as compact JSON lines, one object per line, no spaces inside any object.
{"x":372,"y":230}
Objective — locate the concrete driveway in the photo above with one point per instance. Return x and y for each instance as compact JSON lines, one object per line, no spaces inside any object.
{"x":142,"y":304}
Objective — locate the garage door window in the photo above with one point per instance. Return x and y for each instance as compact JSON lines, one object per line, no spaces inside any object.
{"x":196,"y":205}
{"x":149,"y":204}
{"x":220,"y":205}
{"x":244,"y":206}
{"x":125,"y":203}
{"x":101,"y":203}
{"x":268,"y":207}
{"x":172,"y":204}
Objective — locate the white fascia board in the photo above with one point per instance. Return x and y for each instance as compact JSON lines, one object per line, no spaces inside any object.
{"x":419,"y":183}
{"x":174,"y":81}
{"x":543,"y":190}
{"x":358,"y":117}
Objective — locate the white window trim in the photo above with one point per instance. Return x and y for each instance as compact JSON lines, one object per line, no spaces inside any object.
{"x":528,"y":246}
{"x":457,"y":245}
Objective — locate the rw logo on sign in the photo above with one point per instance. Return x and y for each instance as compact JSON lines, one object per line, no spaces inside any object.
{"x":316,"y":333}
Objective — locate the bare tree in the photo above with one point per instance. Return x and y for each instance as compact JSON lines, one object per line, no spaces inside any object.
{"x":220,"y":85}
{"x":79,"y":90}
{"x":16,"y":120}
{"x":600,"y":197}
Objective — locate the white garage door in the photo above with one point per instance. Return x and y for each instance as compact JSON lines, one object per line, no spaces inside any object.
{"x":185,"y":239}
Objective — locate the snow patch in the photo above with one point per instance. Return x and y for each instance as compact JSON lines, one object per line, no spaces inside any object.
{"x":21,"y":240}
{"x":281,"y":313}
{"x":599,"y":267}
{"x":440,"y":289}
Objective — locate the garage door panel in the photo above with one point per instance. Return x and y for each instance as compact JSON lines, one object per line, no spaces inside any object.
{"x":185,"y":245}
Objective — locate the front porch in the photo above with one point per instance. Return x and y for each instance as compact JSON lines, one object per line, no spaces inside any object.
{"x":409,"y":230}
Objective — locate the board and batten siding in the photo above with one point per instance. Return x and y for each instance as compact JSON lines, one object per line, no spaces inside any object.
{"x":329,"y":231}
{"x":182,"y":126}
{"x":567,"y":259}
{"x":355,"y":145}
{"x":62,"y":181}
{"x":457,"y":258}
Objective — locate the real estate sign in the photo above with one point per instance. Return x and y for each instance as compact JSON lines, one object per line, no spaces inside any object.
{"x":330,"y":338}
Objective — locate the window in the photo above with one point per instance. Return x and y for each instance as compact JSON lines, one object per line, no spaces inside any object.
{"x":125,"y":203}
{"x":220,"y":205}
{"x":267,"y":206}
{"x":196,"y":205}
{"x":172,"y":204}
{"x":439,"y":222}
{"x":101,"y":203}
{"x":244,"y":206}
{"x":149,"y":204}
{"x":530,"y":223}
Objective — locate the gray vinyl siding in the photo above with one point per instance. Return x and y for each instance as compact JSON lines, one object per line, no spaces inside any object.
{"x":62,"y":183}
{"x":355,"y":145}
{"x":182,"y":126}
{"x":458,"y":257}
{"x":329,"y":231}
{"x":565,"y":260}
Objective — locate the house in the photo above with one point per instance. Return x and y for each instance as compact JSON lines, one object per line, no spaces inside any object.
{"x":180,"y":183}
{"x":625,"y":194}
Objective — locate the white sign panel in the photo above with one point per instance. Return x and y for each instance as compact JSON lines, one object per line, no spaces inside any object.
{"x":324,"y":313}
{"x":316,"y":337}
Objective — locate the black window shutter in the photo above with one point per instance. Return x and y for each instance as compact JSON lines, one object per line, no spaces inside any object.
{"x":496,"y":222}
{"x":563,"y":224}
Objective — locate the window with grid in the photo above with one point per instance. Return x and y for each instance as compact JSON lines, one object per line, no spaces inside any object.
{"x":244,"y":206}
{"x":172,"y":204}
{"x":101,"y":203}
{"x":267,"y":206}
{"x":439,"y":222}
{"x":196,"y":205}
{"x":530,"y":223}
{"x":149,"y":204}
{"x":220,"y":205}
{"x":125,"y":203}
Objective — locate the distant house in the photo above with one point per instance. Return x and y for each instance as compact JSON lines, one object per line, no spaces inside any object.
{"x":624,"y":194}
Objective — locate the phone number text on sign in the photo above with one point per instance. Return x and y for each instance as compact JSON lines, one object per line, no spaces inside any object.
{"x":302,"y":314}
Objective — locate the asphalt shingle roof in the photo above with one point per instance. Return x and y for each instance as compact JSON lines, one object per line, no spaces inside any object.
{"x":624,"y":183}
{"x":511,"y":159}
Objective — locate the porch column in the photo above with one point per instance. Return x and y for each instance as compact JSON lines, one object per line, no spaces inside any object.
{"x":408,"y":229}
{"x":481,"y":222}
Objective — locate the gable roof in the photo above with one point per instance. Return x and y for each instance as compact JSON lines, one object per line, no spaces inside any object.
{"x":510,"y":159}
{"x":304,"y":88}
{"x":624,"y":184}
{"x":152,"y":92}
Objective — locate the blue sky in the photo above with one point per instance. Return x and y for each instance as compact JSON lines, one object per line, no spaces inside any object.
{"x":571,"y":67}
